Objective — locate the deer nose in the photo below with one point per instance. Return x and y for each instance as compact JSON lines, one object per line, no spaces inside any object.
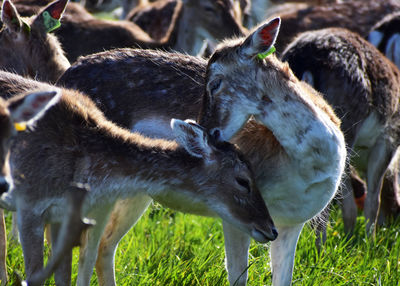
{"x":4,"y":186}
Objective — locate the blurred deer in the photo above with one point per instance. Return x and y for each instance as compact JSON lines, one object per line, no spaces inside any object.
{"x":385,"y":35}
{"x":27,"y":46}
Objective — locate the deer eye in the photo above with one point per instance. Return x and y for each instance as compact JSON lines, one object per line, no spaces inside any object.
{"x":244,"y":183}
{"x":214,"y":85}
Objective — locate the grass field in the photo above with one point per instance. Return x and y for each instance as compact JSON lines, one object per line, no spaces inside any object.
{"x":169,"y":248}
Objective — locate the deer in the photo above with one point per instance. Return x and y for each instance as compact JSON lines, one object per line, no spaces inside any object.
{"x":27,"y":46}
{"x":194,"y":173}
{"x":17,"y":113}
{"x":366,"y":100}
{"x":358,"y":16}
{"x":294,"y":131}
{"x":385,"y":36}
{"x":190,"y":22}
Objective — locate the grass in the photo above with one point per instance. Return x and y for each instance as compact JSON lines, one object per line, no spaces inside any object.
{"x":169,"y":248}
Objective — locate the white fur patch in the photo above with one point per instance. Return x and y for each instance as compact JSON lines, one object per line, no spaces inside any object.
{"x":154,"y":127}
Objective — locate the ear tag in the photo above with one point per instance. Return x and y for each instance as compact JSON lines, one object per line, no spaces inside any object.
{"x":20,"y":126}
{"x":270,"y":51}
{"x":49,"y":22}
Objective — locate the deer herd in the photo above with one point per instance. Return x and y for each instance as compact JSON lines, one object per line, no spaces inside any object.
{"x":189,"y":103}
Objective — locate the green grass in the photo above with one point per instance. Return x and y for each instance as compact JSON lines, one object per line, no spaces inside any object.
{"x":169,"y":248}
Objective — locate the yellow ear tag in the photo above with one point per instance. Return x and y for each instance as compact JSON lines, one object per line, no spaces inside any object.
{"x":20,"y":126}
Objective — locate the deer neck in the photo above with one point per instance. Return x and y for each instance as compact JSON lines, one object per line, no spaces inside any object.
{"x":48,"y":62}
{"x":189,"y":40}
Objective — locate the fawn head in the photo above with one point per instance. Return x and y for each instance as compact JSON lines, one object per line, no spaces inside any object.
{"x":237,"y":76}
{"x":27,"y":48}
{"x":225,"y":182}
{"x":16,"y":114}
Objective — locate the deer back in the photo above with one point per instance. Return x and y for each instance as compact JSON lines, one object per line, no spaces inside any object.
{"x":357,"y":16}
{"x":132,"y":84}
{"x":351,"y":73}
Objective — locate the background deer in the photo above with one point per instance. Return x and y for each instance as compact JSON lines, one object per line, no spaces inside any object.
{"x":196,"y":174}
{"x":385,"y":35}
{"x":363,"y":88}
{"x":192,"y":21}
{"x":294,"y":126}
{"x":22,"y":110}
{"x":358,"y":16}
{"x":27,"y":47}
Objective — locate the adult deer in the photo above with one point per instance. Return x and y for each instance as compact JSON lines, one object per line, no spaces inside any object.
{"x":75,"y":142}
{"x":24,"y":110}
{"x":364,"y":89}
{"x":295,"y":146}
{"x":27,"y":47}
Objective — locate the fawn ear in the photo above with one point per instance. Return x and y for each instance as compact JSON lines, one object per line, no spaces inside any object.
{"x":31,"y":106}
{"x":49,"y":19}
{"x":262,"y":39}
{"x":10,"y":17}
{"x":192,"y":137}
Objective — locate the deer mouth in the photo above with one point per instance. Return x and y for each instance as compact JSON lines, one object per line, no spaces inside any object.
{"x":264,"y":236}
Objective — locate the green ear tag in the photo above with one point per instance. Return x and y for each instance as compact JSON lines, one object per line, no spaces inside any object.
{"x":262,"y":56}
{"x":49,"y":22}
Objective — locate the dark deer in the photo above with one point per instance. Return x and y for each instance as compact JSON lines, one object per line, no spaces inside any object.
{"x":27,"y":47}
{"x":75,"y":142}
{"x":363,"y":87}
{"x":358,"y":16}
{"x":189,"y":22}
{"x":296,"y":147}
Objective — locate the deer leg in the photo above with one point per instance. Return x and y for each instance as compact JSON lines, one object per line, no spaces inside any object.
{"x":88,"y":251}
{"x":348,"y":205}
{"x":283,"y":250}
{"x":124,"y":215}
{"x":62,"y":274}
{"x":31,"y":230}
{"x":3,"y":250}
{"x":236,"y":250}
{"x":378,"y":161}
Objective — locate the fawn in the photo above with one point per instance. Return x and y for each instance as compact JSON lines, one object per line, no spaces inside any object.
{"x":74,"y":142}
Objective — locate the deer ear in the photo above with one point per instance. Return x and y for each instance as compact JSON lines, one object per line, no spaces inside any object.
{"x":261,"y":41}
{"x":31,"y":106}
{"x":49,"y":18}
{"x":192,"y":137}
{"x":10,"y":17}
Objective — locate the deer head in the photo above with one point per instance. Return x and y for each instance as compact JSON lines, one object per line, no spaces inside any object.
{"x":225,"y":183}
{"x":22,"y":111}
{"x":234,"y":85}
{"x":27,"y":47}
